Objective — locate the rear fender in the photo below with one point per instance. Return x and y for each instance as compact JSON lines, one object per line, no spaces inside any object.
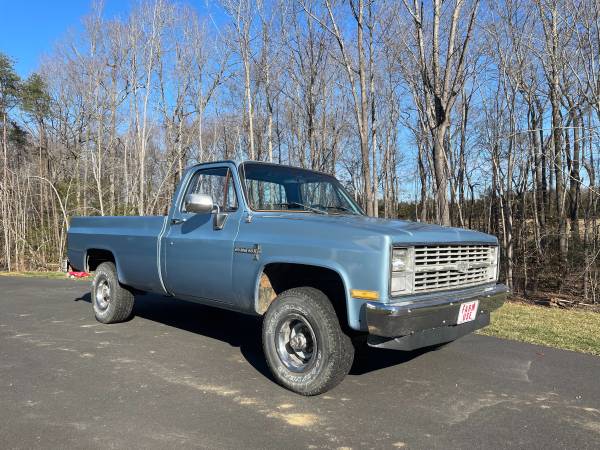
{"x":115,"y":259}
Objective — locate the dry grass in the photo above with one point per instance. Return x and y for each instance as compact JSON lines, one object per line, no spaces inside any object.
{"x":51,"y":275}
{"x":554,"y":327}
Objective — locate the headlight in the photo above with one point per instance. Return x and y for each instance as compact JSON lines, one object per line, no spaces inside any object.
{"x":494,"y":262}
{"x":401,"y":271}
{"x":494,"y":256}
{"x":497,"y":262}
{"x":399,"y":259}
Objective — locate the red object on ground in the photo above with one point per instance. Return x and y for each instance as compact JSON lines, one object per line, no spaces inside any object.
{"x":79,"y":274}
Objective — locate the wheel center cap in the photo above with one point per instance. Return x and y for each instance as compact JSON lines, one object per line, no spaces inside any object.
{"x":298,"y":342}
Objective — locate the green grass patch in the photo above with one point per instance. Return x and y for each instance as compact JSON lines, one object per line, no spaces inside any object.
{"x":554,"y":327}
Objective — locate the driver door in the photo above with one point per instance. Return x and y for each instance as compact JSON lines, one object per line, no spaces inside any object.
{"x":198,"y":255}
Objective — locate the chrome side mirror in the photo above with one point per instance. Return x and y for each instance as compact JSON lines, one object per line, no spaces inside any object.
{"x":199,"y":203}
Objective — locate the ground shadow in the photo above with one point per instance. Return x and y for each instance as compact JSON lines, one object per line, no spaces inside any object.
{"x":367,"y":359}
{"x":243,"y":331}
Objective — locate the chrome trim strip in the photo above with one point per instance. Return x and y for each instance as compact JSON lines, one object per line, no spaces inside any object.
{"x":158,"y":250}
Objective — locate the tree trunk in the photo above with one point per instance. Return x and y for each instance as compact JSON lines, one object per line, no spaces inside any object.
{"x":441,"y":176}
{"x":5,"y":199}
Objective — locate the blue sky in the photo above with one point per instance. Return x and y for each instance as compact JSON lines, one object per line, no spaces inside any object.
{"x":29,"y":29}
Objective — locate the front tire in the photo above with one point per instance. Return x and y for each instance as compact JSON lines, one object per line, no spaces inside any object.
{"x":111,"y":301}
{"x":304,"y":345}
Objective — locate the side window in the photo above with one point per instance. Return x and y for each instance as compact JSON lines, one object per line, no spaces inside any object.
{"x":216,"y":182}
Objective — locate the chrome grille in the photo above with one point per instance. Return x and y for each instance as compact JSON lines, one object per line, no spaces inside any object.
{"x":439,"y":267}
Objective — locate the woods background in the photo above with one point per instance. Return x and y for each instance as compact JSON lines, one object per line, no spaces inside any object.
{"x":468,"y":113}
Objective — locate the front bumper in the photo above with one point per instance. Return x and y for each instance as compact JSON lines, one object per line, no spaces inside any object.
{"x":421,"y":322}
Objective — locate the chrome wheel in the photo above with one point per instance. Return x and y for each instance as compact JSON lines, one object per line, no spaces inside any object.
{"x":102,"y":296}
{"x":296,"y":343}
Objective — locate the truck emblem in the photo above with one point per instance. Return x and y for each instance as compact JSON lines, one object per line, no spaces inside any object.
{"x":462,"y":266}
{"x":256,"y":251}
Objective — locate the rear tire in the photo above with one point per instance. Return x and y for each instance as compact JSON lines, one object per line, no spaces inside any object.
{"x":304,"y":345}
{"x":111,"y":301}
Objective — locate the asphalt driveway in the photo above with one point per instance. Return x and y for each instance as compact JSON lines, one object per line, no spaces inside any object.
{"x":181,"y":375}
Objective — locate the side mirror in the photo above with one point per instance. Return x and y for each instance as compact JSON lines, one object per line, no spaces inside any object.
{"x":199,"y":203}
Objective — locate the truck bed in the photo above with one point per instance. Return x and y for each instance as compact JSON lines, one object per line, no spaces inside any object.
{"x":132,"y":239}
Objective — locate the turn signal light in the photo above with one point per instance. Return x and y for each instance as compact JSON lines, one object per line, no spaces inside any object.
{"x":366,"y":295}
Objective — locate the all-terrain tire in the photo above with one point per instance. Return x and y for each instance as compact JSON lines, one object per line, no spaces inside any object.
{"x":312,"y":319}
{"x":111,"y":301}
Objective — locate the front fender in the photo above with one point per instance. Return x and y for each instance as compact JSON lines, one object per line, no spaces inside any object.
{"x":353,"y":306}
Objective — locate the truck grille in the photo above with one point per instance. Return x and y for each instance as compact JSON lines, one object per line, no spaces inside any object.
{"x":439,"y":267}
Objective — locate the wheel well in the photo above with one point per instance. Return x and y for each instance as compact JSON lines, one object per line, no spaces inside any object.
{"x":95,"y":257}
{"x":279,"y":277}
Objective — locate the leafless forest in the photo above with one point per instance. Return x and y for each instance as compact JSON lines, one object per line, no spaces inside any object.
{"x":462,"y":112}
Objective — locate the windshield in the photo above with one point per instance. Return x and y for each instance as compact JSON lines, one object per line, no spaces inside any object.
{"x":270,"y":187}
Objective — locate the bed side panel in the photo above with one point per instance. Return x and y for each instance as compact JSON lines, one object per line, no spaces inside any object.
{"x":132,"y":240}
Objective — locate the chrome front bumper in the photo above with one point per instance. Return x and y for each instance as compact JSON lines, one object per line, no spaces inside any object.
{"x":439,"y":311}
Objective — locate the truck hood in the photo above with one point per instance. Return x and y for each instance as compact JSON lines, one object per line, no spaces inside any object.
{"x":399,"y":231}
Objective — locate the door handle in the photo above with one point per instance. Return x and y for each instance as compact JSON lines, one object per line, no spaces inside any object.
{"x":177,"y":221}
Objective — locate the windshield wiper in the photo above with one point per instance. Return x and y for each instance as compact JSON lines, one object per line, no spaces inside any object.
{"x":339,"y":208}
{"x":302,"y":205}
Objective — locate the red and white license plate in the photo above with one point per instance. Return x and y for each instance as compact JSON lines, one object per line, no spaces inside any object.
{"x":467,"y":312}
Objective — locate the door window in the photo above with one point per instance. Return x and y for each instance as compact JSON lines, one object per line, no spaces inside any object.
{"x":216,"y":182}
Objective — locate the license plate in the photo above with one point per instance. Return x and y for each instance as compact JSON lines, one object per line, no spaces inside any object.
{"x":467,"y":312}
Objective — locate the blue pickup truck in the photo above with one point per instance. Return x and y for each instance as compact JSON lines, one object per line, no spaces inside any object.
{"x":292,"y":245}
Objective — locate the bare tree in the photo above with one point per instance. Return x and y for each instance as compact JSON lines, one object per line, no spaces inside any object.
{"x":442,"y":75}
{"x":358,"y":88}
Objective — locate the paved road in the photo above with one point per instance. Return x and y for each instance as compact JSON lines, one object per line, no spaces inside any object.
{"x":181,"y":375}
